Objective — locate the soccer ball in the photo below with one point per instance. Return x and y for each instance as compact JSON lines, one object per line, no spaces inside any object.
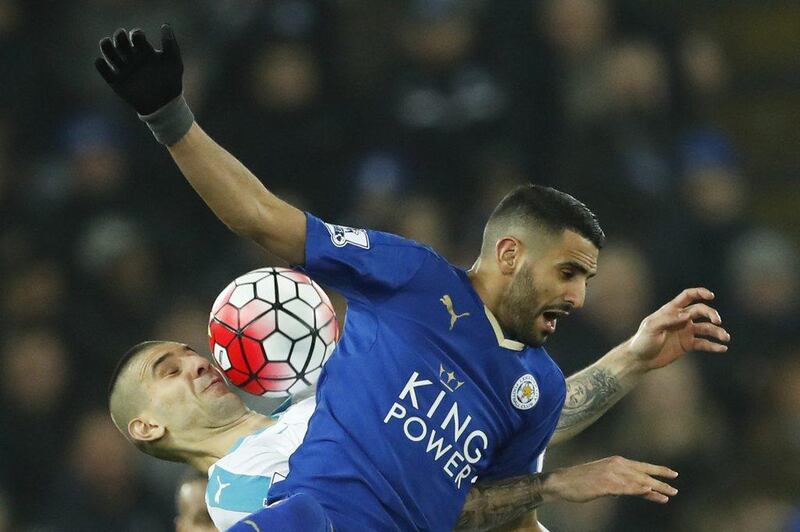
{"x":271,"y":330}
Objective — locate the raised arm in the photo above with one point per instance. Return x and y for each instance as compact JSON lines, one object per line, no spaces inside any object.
{"x":151,"y":82}
{"x":507,"y":504}
{"x":238,"y":198}
{"x":684,"y":324}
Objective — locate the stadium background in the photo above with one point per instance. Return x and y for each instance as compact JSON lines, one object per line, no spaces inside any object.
{"x":676,"y":122}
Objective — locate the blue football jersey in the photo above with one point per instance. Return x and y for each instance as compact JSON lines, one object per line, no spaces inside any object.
{"x":423,"y":394}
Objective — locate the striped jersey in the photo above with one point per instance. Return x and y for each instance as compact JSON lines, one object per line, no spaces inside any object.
{"x":238,"y":483}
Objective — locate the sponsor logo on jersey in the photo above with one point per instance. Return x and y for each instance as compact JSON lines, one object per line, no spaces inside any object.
{"x":525,"y":393}
{"x":447,"y":301}
{"x":342,"y":235}
{"x":441,"y":427}
{"x":448,"y":379}
{"x":221,"y":487}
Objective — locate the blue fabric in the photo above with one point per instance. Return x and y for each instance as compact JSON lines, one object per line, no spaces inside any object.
{"x":298,"y":513}
{"x":414,"y":405}
{"x":239,"y":493}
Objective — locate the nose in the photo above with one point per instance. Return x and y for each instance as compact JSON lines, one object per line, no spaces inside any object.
{"x":200,"y":365}
{"x":576,"y":295}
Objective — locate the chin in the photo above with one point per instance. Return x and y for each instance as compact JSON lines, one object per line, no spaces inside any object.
{"x":536,"y":341}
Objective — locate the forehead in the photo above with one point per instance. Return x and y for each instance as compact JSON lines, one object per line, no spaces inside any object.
{"x":571,"y":246}
{"x":141,"y":366}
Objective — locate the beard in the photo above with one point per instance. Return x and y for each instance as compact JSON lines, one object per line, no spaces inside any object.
{"x":518,"y":309}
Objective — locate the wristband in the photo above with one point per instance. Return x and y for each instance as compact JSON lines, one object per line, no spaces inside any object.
{"x":171,"y":122}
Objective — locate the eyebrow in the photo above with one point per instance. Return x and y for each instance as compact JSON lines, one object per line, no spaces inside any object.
{"x":159,"y":360}
{"x":165,"y":356}
{"x":580,"y":267}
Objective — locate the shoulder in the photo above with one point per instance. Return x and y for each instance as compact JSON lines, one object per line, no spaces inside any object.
{"x":549,"y":377}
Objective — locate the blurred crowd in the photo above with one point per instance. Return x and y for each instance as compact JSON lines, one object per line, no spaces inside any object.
{"x":675,"y":122}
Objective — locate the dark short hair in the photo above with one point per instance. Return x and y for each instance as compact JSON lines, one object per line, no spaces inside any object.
{"x":125,"y":360}
{"x":551,"y":209}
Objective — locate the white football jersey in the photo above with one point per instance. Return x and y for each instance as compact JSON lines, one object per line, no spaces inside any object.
{"x":238,"y":482}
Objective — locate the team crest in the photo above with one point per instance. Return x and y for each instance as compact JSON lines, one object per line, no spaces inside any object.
{"x":341,"y":236}
{"x":525,"y":393}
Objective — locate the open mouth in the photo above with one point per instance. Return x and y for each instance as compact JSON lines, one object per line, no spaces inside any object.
{"x":554,"y":314}
{"x":550,"y":318}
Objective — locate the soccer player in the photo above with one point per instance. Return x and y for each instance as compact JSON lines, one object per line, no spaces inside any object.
{"x":171,"y":403}
{"x":440,"y":377}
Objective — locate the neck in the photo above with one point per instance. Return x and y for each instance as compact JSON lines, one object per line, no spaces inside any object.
{"x":485,"y":284}
{"x":218,"y":442}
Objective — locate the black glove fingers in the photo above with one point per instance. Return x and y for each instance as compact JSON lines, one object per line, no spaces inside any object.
{"x":123,"y":44}
{"x":111,"y":54}
{"x":169,"y":45}
{"x":140,"y":42}
{"x":105,"y":70}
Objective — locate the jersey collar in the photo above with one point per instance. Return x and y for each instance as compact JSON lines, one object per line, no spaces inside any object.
{"x":502,"y":341}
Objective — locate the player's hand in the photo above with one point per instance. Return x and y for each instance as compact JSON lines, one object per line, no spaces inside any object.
{"x":144,"y":77}
{"x":684,"y":324}
{"x":610,"y":476}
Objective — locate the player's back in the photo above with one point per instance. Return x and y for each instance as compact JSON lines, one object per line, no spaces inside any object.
{"x":422,"y":395}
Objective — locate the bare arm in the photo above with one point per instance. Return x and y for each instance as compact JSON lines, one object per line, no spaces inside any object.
{"x":490,"y":505}
{"x":682,"y":325}
{"x":238,"y":198}
{"x":595,"y":389}
{"x":508,"y":504}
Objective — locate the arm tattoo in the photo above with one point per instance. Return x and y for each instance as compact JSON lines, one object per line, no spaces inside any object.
{"x":492,"y":504}
{"x":589,"y":394}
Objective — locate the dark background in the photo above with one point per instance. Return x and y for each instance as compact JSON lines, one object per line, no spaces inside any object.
{"x":676,"y":122}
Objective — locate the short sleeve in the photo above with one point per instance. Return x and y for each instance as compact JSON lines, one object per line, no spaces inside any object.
{"x":360,"y":263}
{"x":524,"y":453}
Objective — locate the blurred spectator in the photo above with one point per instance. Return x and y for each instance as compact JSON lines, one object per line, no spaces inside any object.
{"x":422,"y":218}
{"x":190,"y":501}
{"x":94,"y":494}
{"x":36,"y":377}
{"x":36,"y":292}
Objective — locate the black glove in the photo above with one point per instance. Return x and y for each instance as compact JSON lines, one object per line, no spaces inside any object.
{"x":146,"y":78}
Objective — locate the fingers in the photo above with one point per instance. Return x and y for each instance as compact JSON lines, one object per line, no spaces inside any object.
{"x":701,"y":344}
{"x":653,"y":496}
{"x":642,"y":483}
{"x":111,"y":55}
{"x":169,"y":45}
{"x":660,"y":487}
{"x":122,"y":44}
{"x":655,"y":470}
{"x":711,"y":331}
{"x":667,"y":318}
{"x":690,"y":295}
{"x":140,"y":43}
{"x":701,"y":310}
{"x":105,"y":70}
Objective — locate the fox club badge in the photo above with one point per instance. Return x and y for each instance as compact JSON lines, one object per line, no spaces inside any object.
{"x":525,"y":393}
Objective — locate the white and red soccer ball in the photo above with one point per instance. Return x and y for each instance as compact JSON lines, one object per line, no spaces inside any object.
{"x":271,"y":330}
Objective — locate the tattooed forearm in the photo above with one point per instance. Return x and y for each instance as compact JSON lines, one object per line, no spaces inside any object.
{"x":589,"y":394}
{"x":492,"y":504}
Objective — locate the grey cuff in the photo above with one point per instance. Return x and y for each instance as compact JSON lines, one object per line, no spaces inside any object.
{"x":170,"y":123}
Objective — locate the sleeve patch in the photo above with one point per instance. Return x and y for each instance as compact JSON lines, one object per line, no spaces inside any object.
{"x":342,"y":235}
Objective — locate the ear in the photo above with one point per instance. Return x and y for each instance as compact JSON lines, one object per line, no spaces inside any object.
{"x":141,"y":430}
{"x":508,"y":252}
